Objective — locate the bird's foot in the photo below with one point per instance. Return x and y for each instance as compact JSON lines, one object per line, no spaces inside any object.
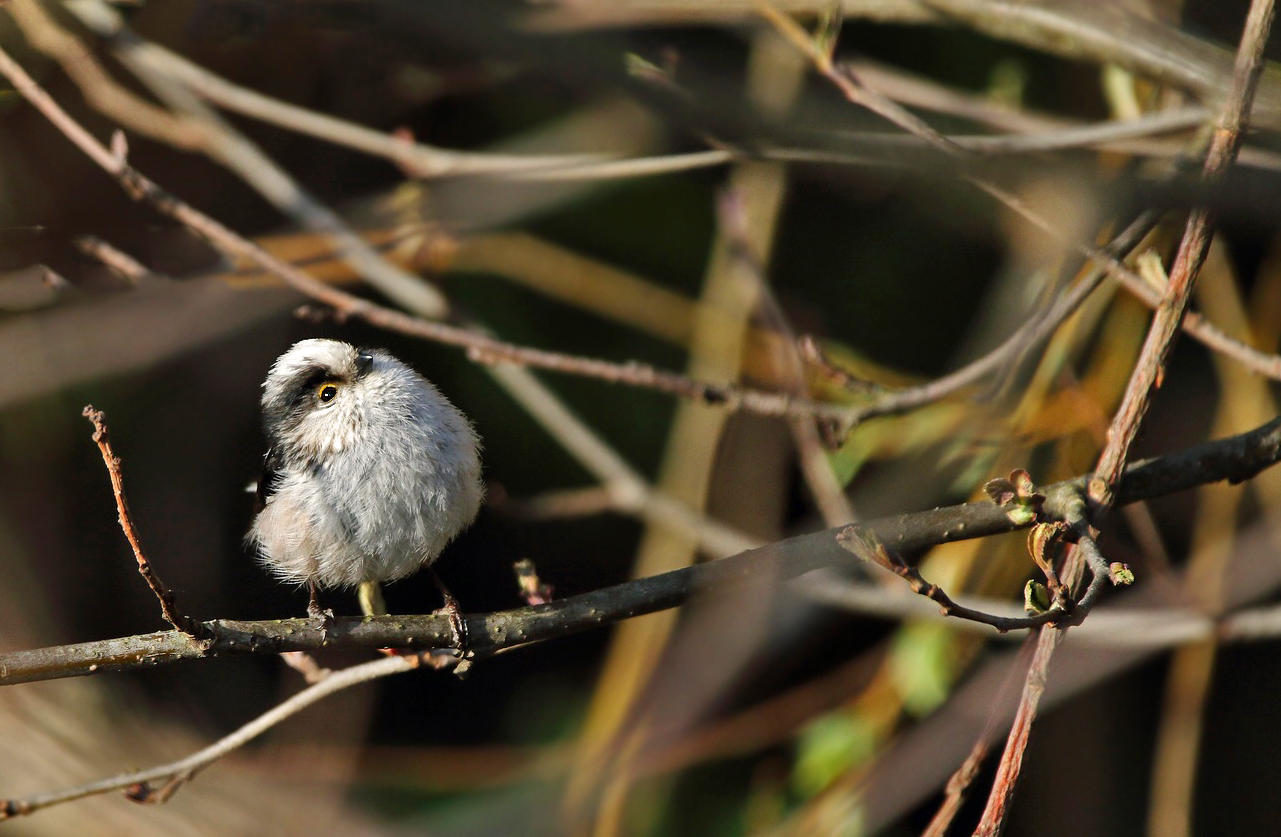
{"x":322,"y":618}
{"x":457,"y":624}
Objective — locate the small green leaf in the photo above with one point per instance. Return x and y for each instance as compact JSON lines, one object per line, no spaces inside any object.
{"x":865,"y":545}
{"x":1121,"y":573}
{"x":829,"y":747}
{"x":1018,"y":490}
{"x":1036,"y":598}
{"x":1021,"y":515}
{"x":922,"y":664}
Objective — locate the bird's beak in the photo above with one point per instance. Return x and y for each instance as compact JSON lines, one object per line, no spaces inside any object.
{"x":364,"y":362}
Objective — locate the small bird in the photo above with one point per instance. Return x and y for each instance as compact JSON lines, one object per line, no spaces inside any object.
{"x":370,"y":472}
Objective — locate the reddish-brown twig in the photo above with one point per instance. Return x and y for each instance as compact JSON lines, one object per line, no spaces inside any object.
{"x":1007,"y":773}
{"x":1146,"y":376}
{"x":1187,"y":263}
{"x":958,"y":786}
{"x":171,"y":614}
{"x":1171,"y":314}
{"x":860,"y":543}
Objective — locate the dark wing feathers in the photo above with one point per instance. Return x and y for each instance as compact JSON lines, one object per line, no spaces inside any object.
{"x":267,"y":481}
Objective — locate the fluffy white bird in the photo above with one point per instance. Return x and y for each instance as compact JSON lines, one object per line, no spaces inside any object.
{"x":369,"y":474}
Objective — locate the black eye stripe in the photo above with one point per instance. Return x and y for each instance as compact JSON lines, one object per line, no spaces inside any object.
{"x":305,"y":383}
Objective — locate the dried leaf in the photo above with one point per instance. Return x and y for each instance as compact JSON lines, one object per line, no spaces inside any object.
{"x":829,"y":29}
{"x":1001,"y":490}
{"x":1023,"y":483}
{"x":1044,"y":542}
{"x":866,"y":547}
{"x":1018,"y":490}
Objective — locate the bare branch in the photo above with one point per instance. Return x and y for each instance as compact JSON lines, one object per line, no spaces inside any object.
{"x":183,"y":623}
{"x":1032,"y":332}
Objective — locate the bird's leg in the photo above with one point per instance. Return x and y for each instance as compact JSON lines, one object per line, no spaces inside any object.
{"x":370,"y":594}
{"x":323,"y":617}
{"x":457,"y":625}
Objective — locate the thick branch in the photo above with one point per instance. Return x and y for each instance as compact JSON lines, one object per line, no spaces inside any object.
{"x":1235,"y":459}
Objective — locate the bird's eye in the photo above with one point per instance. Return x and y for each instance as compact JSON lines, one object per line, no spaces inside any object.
{"x":327,"y":392}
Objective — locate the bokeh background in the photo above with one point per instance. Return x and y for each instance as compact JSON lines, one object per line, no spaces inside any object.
{"x":762,"y":714}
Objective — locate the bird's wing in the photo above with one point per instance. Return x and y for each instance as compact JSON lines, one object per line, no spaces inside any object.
{"x":267,"y":480}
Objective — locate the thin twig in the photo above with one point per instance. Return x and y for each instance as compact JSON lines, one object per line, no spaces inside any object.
{"x":575,"y":168}
{"x":1148,"y":369}
{"x":224,"y":144}
{"x":844,"y":80}
{"x":183,"y":623}
{"x":1030,"y":333}
{"x":424,"y":160}
{"x":177,"y":772}
{"x":1115,"y":628}
{"x":1197,"y":326}
{"x":1110,"y":134}
{"x":856,"y":540}
{"x":428,"y":161}
{"x":789,"y":371}
{"x":958,"y":787}
{"x":306,"y":665}
{"x":100,"y":90}
{"x":482,"y":348}
{"x":1099,"y":575}
{"x":629,"y":492}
